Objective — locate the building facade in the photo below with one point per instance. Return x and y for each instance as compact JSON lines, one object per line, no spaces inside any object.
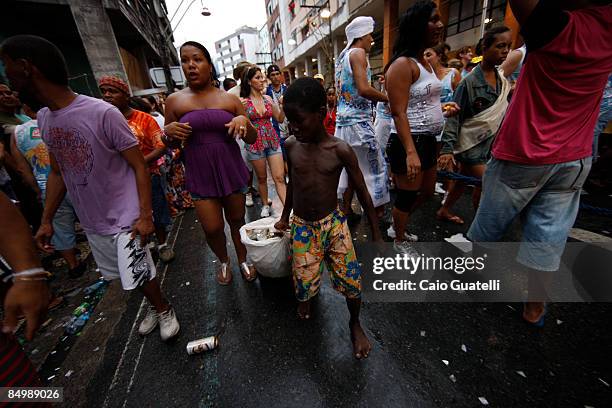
{"x":263,"y":56}
{"x":98,"y":37}
{"x":242,"y":45}
{"x":311,"y":43}
{"x":274,"y":24}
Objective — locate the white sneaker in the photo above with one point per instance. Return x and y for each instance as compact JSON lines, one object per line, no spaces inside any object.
{"x":149,"y":322}
{"x":404,"y":247}
{"x":265,"y":211}
{"x":407,"y":236}
{"x":249,"y":200}
{"x":168,"y":324}
{"x":439,"y":189}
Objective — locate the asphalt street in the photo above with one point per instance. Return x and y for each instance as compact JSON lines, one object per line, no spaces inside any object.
{"x":424,"y":354}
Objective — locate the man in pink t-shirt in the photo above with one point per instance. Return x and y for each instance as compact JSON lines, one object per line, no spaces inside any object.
{"x":542,"y":153}
{"x":95,"y":157}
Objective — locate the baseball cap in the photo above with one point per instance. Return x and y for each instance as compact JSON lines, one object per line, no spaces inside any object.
{"x":273,"y":68}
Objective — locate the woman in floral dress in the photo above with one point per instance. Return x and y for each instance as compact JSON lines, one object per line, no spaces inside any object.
{"x":260,"y":109}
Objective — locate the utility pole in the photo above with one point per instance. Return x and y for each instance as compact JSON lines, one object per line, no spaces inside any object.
{"x":483,"y":17}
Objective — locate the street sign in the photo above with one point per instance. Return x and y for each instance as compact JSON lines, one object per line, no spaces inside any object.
{"x":159,"y":79}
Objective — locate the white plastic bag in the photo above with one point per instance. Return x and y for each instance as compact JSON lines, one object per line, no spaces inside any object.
{"x":271,"y":257}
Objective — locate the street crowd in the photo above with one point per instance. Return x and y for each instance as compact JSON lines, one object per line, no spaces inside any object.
{"x":524,"y":120}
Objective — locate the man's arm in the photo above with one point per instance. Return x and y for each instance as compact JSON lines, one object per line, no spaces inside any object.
{"x":154,"y":155}
{"x":277,"y":112}
{"x":154,"y":138}
{"x":359,"y":64}
{"x":349,"y":159}
{"x":2,"y":154}
{"x":541,"y":21}
{"x":144,"y":224}
{"x":522,"y":9}
{"x":452,"y":127}
{"x":23,"y":168}
{"x":29,"y":297}
{"x":56,"y":190}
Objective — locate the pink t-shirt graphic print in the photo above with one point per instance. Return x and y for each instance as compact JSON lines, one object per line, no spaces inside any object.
{"x":87,"y":138}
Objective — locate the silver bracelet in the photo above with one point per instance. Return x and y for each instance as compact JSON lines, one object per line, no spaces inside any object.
{"x":29,"y":272}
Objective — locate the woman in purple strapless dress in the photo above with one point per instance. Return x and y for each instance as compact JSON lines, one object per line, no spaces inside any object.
{"x":207,"y":121}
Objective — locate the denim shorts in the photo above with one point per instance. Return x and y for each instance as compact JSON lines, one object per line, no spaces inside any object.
{"x":64,"y":236}
{"x":426,"y":148}
{"x":479,"y":154}
{"x":546,"y":197}
{"x":267,"y":152}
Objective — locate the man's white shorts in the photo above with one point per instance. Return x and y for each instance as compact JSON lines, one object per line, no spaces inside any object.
{"x":121,"y":256}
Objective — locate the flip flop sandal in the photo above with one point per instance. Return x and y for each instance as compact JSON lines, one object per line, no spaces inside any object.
{"x":224,"y":274}
{"x":248,"y":272}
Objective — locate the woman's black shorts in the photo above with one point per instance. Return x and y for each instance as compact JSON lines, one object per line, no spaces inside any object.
{"x":426,"y":148}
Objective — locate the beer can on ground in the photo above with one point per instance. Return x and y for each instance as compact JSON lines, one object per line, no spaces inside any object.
{"x":201,"y":345}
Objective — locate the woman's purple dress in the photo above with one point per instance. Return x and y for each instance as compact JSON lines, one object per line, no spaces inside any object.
{"x":213,"y":165}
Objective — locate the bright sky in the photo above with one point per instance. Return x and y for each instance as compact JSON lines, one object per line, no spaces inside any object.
{"x":226,"y":16}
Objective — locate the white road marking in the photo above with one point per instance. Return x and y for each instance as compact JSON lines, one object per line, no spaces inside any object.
{"x":131,"y":336}
{"x":588,"y":236}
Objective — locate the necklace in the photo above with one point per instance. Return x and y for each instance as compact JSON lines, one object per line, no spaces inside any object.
{"x":277,"y":94}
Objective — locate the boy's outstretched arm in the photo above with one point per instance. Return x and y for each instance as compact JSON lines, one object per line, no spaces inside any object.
{"x":283,"y":223}
{"x":349,"y":159}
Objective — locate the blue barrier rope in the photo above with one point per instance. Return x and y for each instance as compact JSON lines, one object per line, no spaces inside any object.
{"x":474,"y":181}
{"x":459,"y":177}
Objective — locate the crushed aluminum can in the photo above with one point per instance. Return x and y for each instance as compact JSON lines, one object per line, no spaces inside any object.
{"x":201,"y":345}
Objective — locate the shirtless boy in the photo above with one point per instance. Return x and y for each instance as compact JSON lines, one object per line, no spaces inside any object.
{"x":319,"y":231}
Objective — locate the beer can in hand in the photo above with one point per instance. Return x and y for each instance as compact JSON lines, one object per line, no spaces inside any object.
{"x":202,"y":345}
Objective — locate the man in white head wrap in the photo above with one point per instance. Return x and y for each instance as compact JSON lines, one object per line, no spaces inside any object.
{"x":354,"y":121}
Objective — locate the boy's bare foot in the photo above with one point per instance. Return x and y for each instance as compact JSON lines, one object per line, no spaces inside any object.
{"x":533,"y":311}
{"x":361,"y":344}
{"x":303,"y":310}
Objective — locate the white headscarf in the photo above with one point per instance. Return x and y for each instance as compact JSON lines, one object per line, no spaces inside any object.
{"x":360,"y":26}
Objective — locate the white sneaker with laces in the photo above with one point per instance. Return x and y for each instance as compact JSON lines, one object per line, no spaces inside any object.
{"x":265,"y":211}
{"x":439,"y":189}
{"x":249,"y":200}
{"x":149,"y":322}
{"x":407,"y":236}
{"x":168,"y":324}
